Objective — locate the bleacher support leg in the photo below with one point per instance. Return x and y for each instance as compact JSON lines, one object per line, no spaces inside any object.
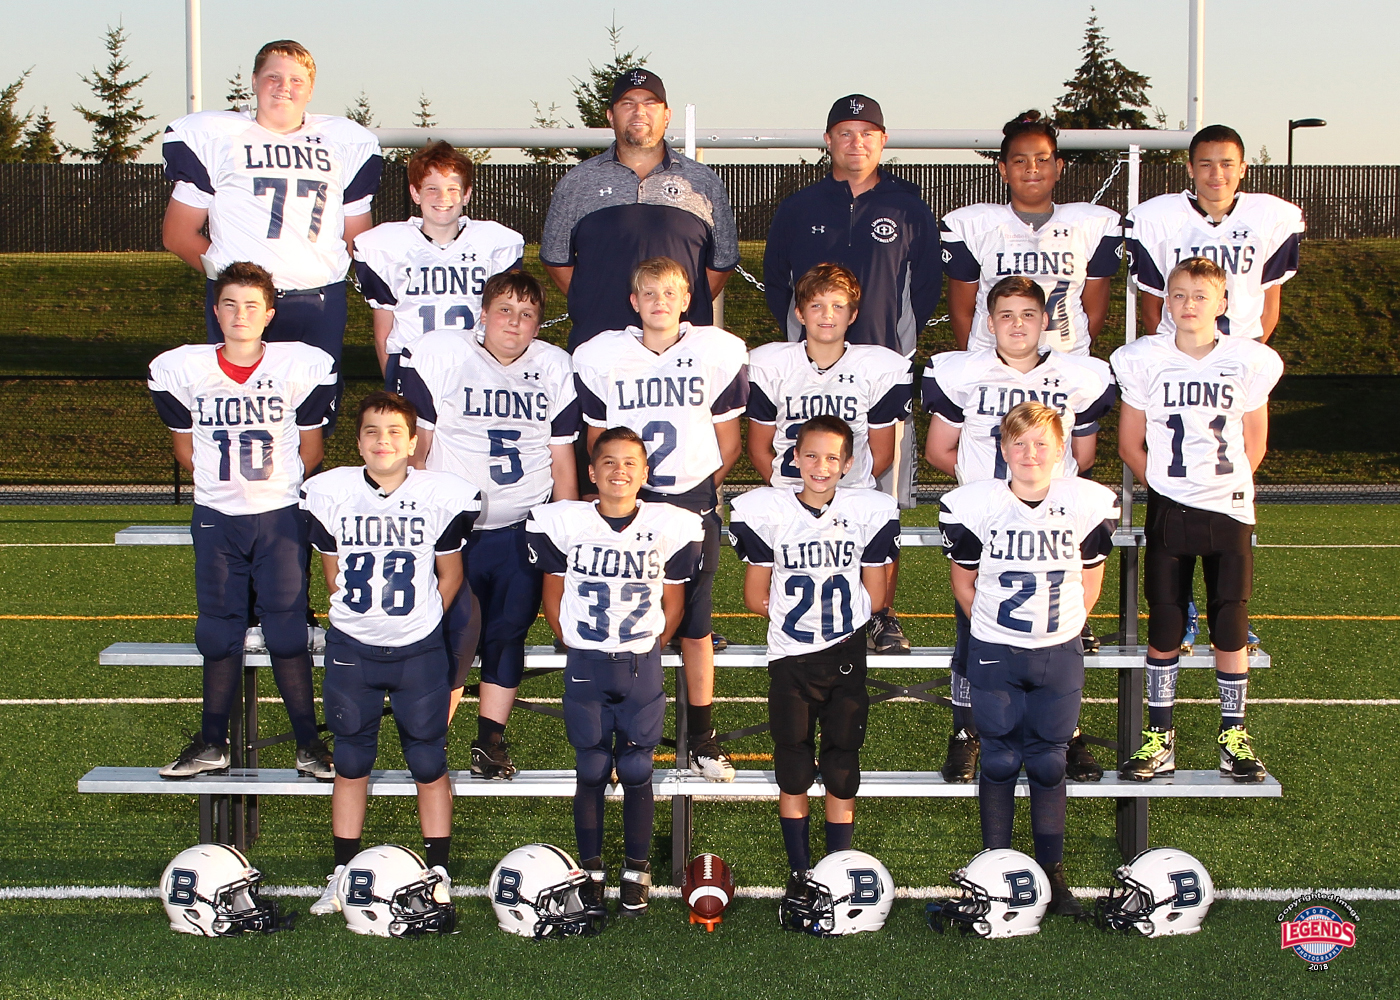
{"x":206,"y":819}
{"x":250,"y":730}
{"x":681,"y":812}
{"x":1131,"y":813}
{"x":238,"y":742}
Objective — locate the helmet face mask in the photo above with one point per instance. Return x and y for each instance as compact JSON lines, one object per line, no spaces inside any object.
{"x":560,"y":911}
{"x":416,"y":912}
{"x":1161,"y":893}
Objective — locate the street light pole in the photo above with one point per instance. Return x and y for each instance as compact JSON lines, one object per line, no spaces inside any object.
{"x":1292,"y":124}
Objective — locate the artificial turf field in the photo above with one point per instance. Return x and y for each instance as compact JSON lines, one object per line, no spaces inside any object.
{"x":1334,"y":827}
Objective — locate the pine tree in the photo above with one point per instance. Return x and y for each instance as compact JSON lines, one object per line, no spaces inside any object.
{"x":1103,"y":94}
{"x":593,"y":96}
{"x":424,"y":117}
{"x":12,"y":126}
{"x":547,"y":118}
{"x":240,"y":95}
{"x":360,"y":112}
{"x":115,"y":126}
{"x":39,"y":143}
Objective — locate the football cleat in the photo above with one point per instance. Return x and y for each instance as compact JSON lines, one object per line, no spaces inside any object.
{"x":884,"y":637}
{"x":1251,"y":641}
{"x":593,"y":894}
{"x":198,"y":758}
{"x":253,"y":641}
{"x":315,"y":639}
{"x":963,"y":750}
{"x":800,"y":891}
{"x":1193,"y":629}
{"x":708,"y":760}
{"x":1237,"y":759}
{"x":1087,"y":638}
{"x":491,"y":759}
{"x":1157,"y":755}
{"x":1062,"y":901}
{"x":329,"y":902}
{"x":636,"y":887}
{"x":316,"y":761}
{"x":1080,"y":764}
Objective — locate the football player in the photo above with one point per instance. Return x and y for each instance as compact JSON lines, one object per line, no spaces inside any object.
{"x":390,"y":538}
{"x":816,"y":559}
{"x":276,"y":186}
{"x":614,"y":592}
{"x":685,"y":387}
{"x":246,"y":419}
{"x":1194,"y":427}
{"x":1027,"y":565}
{"x":967,"y":394}
{"x":1070,"y":250}
{"x":868,"y":386}
{"x":1253,"y":237}
{"x":429,"y":272}
{"x":496,"y":407}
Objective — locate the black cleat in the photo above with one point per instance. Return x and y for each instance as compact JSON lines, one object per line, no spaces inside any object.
{"x":1156,"y":755}
{"x":1062,"y":901}
{"x":1237,"y":759}
{"x":492,"y":758}
{"x":636,"y":887}
{"x":198,"y":758}
{"x":963,"y":750}
{"x":884,"y":637}
{"x":1088,"y":639}
{"x":316,"y":761}
{"x":593,"y":894}
{"x":1080,"y":764}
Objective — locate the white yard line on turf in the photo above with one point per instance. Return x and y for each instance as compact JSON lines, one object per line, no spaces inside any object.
{"x":669,"y":892}
{"x":1365,"y":702}
{"x":57,"y":545}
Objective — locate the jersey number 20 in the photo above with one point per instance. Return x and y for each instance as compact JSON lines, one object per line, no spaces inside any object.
{"x":806,"y":588}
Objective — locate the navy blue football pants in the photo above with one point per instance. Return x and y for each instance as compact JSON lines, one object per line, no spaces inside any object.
{"x":508,"y":590}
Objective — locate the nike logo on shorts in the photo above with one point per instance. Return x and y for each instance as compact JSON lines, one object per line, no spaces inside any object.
{"x":339,"y":664}
{"x":578,"y":680}
{"x":985,"y":662}
{"x":206,"y":525}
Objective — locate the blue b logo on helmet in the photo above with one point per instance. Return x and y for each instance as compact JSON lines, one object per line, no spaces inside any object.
{"x":358,"y":885}
{"x":508,"y":887}
{"x":1022,"y":888}
{"x":865,"y":886}
{"x":182,"y":883}
{"x":1188,"y":889}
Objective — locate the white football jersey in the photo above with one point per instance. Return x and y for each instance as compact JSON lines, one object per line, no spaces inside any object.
{"x":1195,"y":412}
{"x":386,"y":545}
{"x":276,"y":200}
{"x":816,"y":597}
{"x":428,"y":287}
{"x":1029,"y":560}
{"x":1256,"y":245}
{"x":671,"y":399}
{"x":973,"y":390}
{"x":247,"y":437}
{"x":493,"y":424}
{"x":613,"y":579}
{"x":985,"y":243}
{"x":870,"y":386}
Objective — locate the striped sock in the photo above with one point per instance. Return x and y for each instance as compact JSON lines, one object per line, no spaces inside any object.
{"x":1234,"y":689}
{"x":1161,"y":689}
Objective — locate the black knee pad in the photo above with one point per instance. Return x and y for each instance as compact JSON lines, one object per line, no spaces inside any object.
{"x":1045,"y":769}
{"x":221,"y":638}
{"x":841,"y":772}
{"x":593,"y":766}
{"x":285,"y":633}
{"x":634,"y":766}
{"x":354,"y":756}
{"x":1166,"y":626}
{"x":427,"y":761}
{"x":1229,"y":624}
{"x":1000,"y":763}
{"x":794,"y":768}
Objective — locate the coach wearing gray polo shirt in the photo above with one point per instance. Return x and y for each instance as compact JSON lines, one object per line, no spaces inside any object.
{"x":638,"y":199}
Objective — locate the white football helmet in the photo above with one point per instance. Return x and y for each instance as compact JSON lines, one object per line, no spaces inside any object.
{"x":535,"y":893}
{"x":211,"y":889}
{"x":848,"y":892}
{"x":1005,"y":894}
{"x":387,"y":891}
{"x":1164,"y":892}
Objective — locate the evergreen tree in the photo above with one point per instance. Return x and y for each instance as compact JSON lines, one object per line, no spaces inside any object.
{"x":1103,"y":94}
{"x":39,"y":143}
{"x":240,"y":95}
{"x":12,"y":126}
{"x":424,"y":117}
{"x":360,"y":112}
{"x":593,"y":95}
{"x":120,"y":117}
{"x":547,"y":118}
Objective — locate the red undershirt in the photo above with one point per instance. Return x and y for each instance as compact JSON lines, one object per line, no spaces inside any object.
{"x":238,"y":373}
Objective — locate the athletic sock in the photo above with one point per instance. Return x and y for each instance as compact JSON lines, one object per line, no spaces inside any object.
{"x":220,"y":686}
{"x":638,"y":817}
{"x":294,"y":684}
{"x":1048,"y":823}
{"x":960,"y":693}
{"x":1233,"y":690}
{"x":588,"y":820}
{"x":1161,"y":689}
{"x":698,"y":719}
{"x":436,"y":851}
{"x":996,"y":806}
{"x":345,"y":849}
{"x":796,"y":842}
{"x":838,"y":836}
{"x":486,"y":728}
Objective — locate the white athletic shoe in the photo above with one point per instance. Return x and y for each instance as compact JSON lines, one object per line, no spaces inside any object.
{"x":315,"y":638}
{"x":253,"y":641}
{"x":328,"y":903}
{"x":442,"y":892}
{"x":708,"y":759}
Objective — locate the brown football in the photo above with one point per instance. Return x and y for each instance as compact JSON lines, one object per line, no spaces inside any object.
{"x":708,"y":889}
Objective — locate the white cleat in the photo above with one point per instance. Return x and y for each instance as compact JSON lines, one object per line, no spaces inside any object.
{"x":328,"y":903}
{"x":708,"y":760}
{"x":253,"y":641}
{"x":442,"y":892}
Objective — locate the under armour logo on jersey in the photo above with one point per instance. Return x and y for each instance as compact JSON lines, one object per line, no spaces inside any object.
{"x":1056,"y":511}
{"x":1051,"y":381}
{"x":818,"y":229}
{"x":884,"y":230}
{"x":604,"y":192}
{"x":470,"y":258}
{"x":533,"y":375}
{"x":844,"y":377}
{"x":264,"y":383}
{"x":408,"y":505}
{"x":645,"y":536}
{"x":1239,"y":234}
{"x":840,"y":522}
{"x":312,"y":138}
{"x":637,"y":78}
{"x":1059,"y":232}
{"x":856,"y":106}
{"x":685,"y":362}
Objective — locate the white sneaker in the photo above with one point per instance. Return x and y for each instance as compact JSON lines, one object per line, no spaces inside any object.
{"x":442,"y":892}
{"x":708,"y":760}
{"x":328,"y":903}
{"x":315,"y":638}
{"x":253,"y":641}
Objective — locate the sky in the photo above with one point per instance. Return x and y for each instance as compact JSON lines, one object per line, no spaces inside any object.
{"x":758,"y":64}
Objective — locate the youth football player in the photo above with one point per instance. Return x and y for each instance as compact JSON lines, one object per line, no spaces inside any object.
{"x":276,"y":186}
{"x":816,"y":559}
{"x":967,"y":394}
{"x":868,"y":386}
{"x":1027,"y":565}
{"x":1194,"y":427}
{"x":1070,"y":250}
{"x":246,"y":420}
{"x":684,"y":386}
{"x":428,"y":272}
{"x":390,"y":538}
{"x":496,"y":407}
{"x":614,"y":592}
{"x":1253,"y":237}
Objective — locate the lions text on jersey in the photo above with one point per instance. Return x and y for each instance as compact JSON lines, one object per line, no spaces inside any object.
{"x":493,"y":424}
{"x":1195,"y":412}
{"x":276,"y":200}
{"x":671,"y":399}
{"x":973,"y":390}
{"x":985,"y":243}
{"x":428,"y":287}
{"x":816,"y":597}
{"x":613,"y":579}
{"x":386,"y":545}
{"x":1256,"y":245}
{"x":870,"y":387}
{"x":1029,"y":560}
{"x":247,"y":437}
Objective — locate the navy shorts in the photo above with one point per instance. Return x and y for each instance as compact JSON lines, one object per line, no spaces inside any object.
{"x":508,"y":589}
{"x":1026,"y":697}
{"x":607,"y":694}
{"x":414,"y":677}
{"x":697,"y":621}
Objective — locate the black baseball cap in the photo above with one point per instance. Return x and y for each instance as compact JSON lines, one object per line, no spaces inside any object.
{"x":637,"y":79}
{"x":854,"y":108}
